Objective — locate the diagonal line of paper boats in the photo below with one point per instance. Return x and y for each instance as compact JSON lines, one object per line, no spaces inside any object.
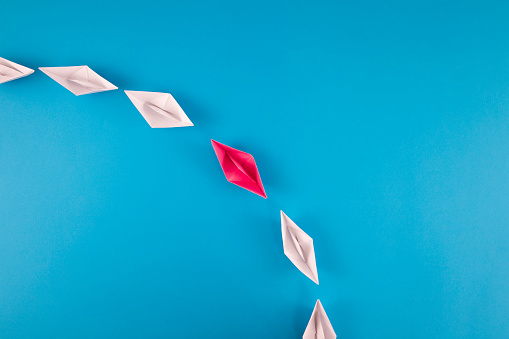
{"x":161,"y":110}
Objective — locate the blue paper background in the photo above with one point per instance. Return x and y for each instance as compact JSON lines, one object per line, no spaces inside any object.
{"x":380,"y":128}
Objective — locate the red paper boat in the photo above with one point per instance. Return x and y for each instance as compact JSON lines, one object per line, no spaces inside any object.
{"x":239,"y":168}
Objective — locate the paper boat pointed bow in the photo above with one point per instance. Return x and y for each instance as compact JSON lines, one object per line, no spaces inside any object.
{"x":319,"y":326}
{"x":239,"y":168}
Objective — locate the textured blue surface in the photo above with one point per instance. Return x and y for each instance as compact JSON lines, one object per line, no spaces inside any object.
{"x":381,"y":129}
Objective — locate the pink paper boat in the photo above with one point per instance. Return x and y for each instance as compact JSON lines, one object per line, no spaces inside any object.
{"x":239,"y":168}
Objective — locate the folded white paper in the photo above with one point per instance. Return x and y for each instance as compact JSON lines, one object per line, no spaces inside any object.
{"x":160,"y":110}
{"x":298,"y":247}
{"x":10,"y":70}
{"x":319,"y":326}
{"x":78,"y":79}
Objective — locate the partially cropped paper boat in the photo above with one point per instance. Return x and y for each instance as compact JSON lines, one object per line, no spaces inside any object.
{"x":11,"y":71}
